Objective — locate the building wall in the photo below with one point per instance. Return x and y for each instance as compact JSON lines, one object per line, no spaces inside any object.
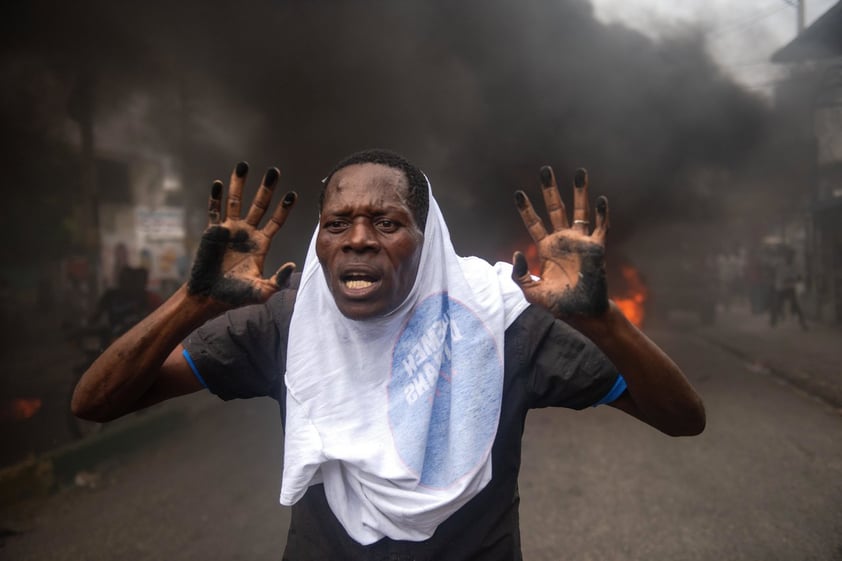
{"x":827,"y":207}
{"x":141,"y":229}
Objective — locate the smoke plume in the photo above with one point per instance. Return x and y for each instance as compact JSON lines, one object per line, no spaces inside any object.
{"x":479,"y":94}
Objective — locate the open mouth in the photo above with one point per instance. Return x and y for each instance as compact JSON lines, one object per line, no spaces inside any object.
{"x":354,"y":284}
{"x":358,"y":281}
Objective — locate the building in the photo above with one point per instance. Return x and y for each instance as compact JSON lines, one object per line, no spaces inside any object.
{"x":815,"y":59}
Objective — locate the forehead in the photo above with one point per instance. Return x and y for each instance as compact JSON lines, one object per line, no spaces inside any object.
{"x":368,"y":183}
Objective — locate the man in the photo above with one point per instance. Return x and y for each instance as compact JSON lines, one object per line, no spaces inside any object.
{"x":404,"y":372}
{"x":784,"y":288}
{"x":126,"y":304}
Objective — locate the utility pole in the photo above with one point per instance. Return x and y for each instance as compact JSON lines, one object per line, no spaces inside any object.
{"x":801,"y":10}
{"x":82,"y":109}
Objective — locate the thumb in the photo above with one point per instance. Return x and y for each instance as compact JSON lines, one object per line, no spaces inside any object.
{"x":520,"y":272}
{"x":284,"y":273}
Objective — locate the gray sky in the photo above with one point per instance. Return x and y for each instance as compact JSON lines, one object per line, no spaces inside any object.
{"x":742,"y":35}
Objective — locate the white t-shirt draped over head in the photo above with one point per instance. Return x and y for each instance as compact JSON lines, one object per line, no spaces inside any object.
{"x":396,"y":415}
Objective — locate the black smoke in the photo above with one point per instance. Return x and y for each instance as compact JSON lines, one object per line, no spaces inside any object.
{"x":479,"y":93}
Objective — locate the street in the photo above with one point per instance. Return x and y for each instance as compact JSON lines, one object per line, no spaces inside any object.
{"x":763,"y":482}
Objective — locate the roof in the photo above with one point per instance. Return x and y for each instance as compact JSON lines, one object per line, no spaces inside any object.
{"x":822,"y":39}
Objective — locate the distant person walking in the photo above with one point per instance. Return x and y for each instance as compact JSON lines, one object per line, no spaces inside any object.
{"x":127,"y":303}
{"x":786,"y":278}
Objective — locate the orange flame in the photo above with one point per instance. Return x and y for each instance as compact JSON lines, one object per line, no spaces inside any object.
{"x":21,"y":408}
{"x":531,"y":255}
{"x":631,"y":301}
{"x":630,"y":296}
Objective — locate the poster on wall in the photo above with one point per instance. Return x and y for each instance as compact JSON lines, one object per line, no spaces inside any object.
{"x":160,"y":242}
{"x":159,"y":224}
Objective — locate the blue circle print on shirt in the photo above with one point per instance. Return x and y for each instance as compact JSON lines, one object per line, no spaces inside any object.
{"x":444,"y":391}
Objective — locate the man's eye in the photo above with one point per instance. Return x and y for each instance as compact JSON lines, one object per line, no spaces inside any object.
{"x":386,"y":225}
{"x":335,"y":225}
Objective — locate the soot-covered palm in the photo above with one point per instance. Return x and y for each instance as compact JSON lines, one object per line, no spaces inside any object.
{"x":572,"y":281}
{"x":229,"y":262}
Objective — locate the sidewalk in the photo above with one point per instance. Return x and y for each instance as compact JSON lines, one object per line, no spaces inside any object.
{"x":44,"y":473}
{"x":40,"y":453}
{"x":38,"y":371}
{"x":808,"y":360}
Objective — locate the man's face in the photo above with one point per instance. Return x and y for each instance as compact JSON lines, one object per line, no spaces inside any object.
{"x":368,"y":244}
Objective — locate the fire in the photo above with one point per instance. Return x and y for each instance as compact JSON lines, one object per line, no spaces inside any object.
{"x":21,"y":408}
{"x":531,"y":255}
{"x":633,"y":295}
{"x":628,"y":290}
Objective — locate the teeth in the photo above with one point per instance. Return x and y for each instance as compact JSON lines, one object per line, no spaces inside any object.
{"x":358,"y":283}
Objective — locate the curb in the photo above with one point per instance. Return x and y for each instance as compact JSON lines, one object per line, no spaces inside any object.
{"x":44,"y":475}
{"x":799,"y":380}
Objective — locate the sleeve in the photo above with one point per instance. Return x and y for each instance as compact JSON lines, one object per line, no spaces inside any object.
{"x":567,"y":369}
{"x":240,"y":354}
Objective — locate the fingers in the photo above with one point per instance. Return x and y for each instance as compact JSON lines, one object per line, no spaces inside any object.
{"x":581,"y":210}
{"x":602,"y":221}
{"x":280,"y":215}
{"x":215,"y":203}
{"x":552,"y":199}
{"x":263,"y":196}
{"x":530,"y":218}
{"x":557,"y":210}
{"x":235,"y":191}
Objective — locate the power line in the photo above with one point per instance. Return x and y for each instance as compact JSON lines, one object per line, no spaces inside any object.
{"x":749,"y":22}
{"x":746,"y":64}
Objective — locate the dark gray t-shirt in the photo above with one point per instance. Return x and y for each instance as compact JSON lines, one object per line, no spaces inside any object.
{"x":547,"y":364}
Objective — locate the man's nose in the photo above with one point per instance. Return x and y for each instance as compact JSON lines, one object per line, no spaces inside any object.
{"x":361,"y":237}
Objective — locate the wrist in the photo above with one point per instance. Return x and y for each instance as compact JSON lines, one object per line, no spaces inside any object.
{"x":602,"y":326}
{"x":195,"y":309}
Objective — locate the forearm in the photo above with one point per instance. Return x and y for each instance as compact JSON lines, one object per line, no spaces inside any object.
{"x":124,"y":372}
{"x":660,"y":393}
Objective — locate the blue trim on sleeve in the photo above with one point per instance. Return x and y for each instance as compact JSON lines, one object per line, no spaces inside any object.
{"x":615,"y":392}
{"x":193,"y":368}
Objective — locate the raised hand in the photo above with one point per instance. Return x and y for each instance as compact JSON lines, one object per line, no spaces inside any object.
{"x":229,"y":262}
{"x":572,"y":282}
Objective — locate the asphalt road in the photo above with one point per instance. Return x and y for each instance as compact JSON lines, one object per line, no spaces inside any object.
{"x":764,"y":482}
